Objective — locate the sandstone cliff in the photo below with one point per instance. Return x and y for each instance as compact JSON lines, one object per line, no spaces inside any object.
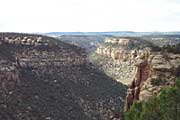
{"x":159,"y":70}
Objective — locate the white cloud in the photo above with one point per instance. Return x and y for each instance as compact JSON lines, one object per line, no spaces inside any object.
{"x":89,"y":15}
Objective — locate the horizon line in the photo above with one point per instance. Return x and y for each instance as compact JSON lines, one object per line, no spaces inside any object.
{"x":93,"y":32}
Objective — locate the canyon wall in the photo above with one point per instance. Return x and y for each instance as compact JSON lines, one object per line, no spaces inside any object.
{"x":150,"y":70}
{"x":120,"y":58}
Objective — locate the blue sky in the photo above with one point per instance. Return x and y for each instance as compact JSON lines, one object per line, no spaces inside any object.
{"x":89,"y":15}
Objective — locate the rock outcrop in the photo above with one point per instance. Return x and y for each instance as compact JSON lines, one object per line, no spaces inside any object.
{"x":120,"y":41}
{"x":115,"y":54}
{"x":159,"y":70}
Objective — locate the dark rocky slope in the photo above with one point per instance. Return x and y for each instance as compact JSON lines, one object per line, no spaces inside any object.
{"x":43,"y":79}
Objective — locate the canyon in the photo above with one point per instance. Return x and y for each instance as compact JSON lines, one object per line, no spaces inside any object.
{"x":42,"y":78}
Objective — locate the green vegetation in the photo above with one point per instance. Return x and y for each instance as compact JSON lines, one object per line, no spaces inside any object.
{"x":96,"y":58}
{"x":111,"y":45}
{"x":172,"y":48}
{"x":158,"y":81}
{"x":166,"y":106}
{"x":177,"y":72}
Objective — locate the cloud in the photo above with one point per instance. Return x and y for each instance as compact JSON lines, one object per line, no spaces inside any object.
{"x":89,"y":15}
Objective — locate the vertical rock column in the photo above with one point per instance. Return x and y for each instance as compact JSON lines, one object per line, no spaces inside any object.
{"x":143,"y":72}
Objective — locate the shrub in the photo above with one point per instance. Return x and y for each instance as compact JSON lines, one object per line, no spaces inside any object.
{"x":172,"y":48}
{"x":158,"y":81}
{"x":135,"y":111}
{"x":166,"y":106}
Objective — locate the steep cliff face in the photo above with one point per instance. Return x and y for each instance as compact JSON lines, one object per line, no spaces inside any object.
{"x":159,"y":70}
{"x":51,"y":80}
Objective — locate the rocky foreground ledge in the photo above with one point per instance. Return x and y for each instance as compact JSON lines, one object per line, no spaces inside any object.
{"x":159,"y":70}
{"x":45,"y":79}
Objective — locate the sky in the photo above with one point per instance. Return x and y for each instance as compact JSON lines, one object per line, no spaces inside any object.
{"x":89,"y":15}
